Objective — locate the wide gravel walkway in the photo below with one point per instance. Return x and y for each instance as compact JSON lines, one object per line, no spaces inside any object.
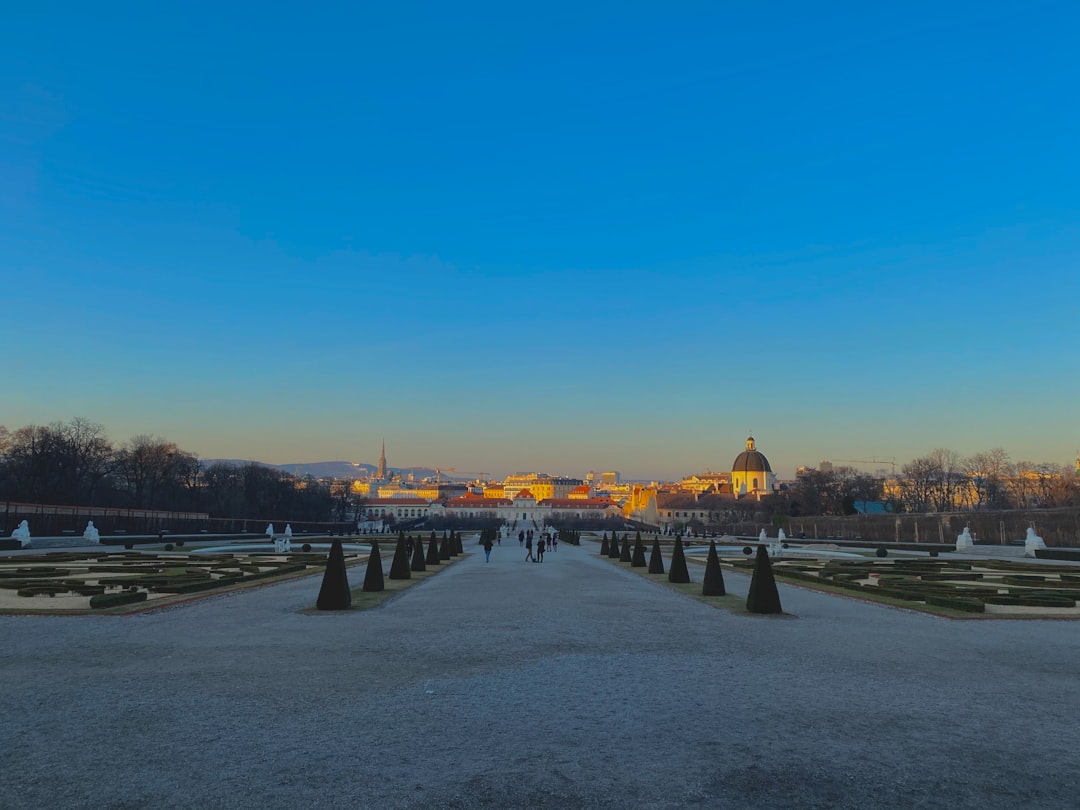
{"x":571,"y":684}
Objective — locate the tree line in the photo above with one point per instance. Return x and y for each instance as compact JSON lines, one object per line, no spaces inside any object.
{"x":75,"y":463}
{"x":940,"y":481}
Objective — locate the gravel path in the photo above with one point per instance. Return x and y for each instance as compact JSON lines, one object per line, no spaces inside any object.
{"x":571,"y":684}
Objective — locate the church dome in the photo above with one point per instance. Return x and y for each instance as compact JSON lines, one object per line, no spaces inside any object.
{"x":750,"y":460}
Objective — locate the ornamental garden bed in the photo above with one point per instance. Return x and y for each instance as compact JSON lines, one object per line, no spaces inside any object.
{"x":125,"y":582}
{"x":969,"y":589}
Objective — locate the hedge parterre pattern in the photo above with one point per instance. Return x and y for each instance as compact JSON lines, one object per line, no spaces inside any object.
{"x":991,"y":587}
{"x":80,"y":582}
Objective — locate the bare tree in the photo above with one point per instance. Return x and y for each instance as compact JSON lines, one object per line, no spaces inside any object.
{"x":987,"y":473}
{"x":153,"y":470}
{"x":918,"y":482}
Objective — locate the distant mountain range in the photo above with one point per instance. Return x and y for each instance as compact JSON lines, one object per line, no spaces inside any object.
{"x":332,"y":469}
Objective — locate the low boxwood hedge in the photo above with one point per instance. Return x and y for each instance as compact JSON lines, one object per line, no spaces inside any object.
{"x":965,"y":603}
{"x":107,"y":600}
{"x":43,"y":589}
{"x":1026,"y":600}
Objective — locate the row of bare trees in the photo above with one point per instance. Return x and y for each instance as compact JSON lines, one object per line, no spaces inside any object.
{"x":940,"y":481}
{"x":75,"y":463}
{"x":943,"y":481}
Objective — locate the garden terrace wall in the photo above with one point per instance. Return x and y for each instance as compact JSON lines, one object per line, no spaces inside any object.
{"x":1057,"y":527}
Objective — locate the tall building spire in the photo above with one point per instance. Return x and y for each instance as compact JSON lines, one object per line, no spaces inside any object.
{"x":381,"y":472}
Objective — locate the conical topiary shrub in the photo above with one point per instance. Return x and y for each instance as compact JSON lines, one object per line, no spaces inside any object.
{"x":433,"y":556}
{"x":373,"y":578}
{"x":334,"y":593}
{"x":444,"y":549}
{"x":677,"y":572}
{"x":399,"y":567}
{"x":763,"y":596}
{"x":604,"y":546}
{"x":713,"y":583}
{"x":638,"y":560}
{"x":613,"y":548}
{"x":656,"y":559}
{"x":457,"y":544}
{"x":418,"y":555}
{"x":624,"y":554}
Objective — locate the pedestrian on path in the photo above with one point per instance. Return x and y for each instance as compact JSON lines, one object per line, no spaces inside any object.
{"x":528,"y":550}
{"x":521,"y":538}
{"x":540,"y":549}
{"x":487,"y":548}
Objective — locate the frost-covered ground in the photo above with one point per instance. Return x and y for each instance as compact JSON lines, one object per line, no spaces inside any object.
{"x":571,"y":684}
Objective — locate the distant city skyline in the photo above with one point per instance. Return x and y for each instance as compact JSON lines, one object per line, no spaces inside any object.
{"x":560,"y":239}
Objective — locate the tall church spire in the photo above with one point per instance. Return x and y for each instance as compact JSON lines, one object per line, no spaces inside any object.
{"x":381,"y":472}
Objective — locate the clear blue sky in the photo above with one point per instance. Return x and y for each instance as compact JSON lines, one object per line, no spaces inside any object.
{"x":554,"y":236}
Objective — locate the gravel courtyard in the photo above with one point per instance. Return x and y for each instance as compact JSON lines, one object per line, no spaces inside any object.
{"x":571,"y":684}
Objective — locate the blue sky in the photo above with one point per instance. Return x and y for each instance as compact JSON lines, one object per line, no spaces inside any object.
{"x":561,"y":236}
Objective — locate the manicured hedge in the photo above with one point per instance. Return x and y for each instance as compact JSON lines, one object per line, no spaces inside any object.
{"x":1031,"y":601}
{"x":107,"y":600}
{"x":966,"y":604}
{"x":43,"y":589}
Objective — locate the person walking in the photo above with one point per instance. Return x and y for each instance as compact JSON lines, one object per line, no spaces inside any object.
{"x":540,"y":549}
{"x":528,"y":550}
{"x":487,"y":548}
{"x":521,"y":538}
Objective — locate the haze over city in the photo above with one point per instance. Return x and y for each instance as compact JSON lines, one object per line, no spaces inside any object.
{"x":570,"y":238}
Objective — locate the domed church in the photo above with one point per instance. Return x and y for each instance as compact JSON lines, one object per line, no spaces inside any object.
{"x":751,"y":473}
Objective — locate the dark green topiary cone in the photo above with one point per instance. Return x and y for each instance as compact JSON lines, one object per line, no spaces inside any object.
{"x":604,"y":546}
{"x":444,"y":549}
{"x":656,"y":559}
{"x":399,"y":567}
{"x":624,"y":554}
{"x":613,"y":548}
{"x":763,"y":596}
{"x":678,"y":572}
{"x":334,"y":593}
{"x":457,"y":544}
{"x":638,"y":560}
{"x":373,"y":578}
{"x":713,"y":583}
{"x":418,"y":555}
{"x":433,"y":557}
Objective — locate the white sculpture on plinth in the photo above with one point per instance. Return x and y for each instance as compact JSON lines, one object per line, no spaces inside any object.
{"x":270,"y":531}
{"x":964,"y":541}
{"x":91,"y":534}
{"x":777,"y":547}
{"x":1032,"y":542}
{"x":22,"y":534}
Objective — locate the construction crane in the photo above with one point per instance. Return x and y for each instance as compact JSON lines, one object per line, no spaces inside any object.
{"x":891,"y":461}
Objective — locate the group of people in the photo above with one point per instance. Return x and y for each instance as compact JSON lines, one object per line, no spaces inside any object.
{"x":547,"y":540}
{"x":543,"y":541}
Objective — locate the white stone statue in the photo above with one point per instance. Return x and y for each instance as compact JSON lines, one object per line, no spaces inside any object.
{"x":288,"y":530}
{"x":762,"y":537}
{"x":964,"y":541}
{"x":270,"y":531}
{"x":22,"y":534}
{"x":1032,"y":542}
{"x":91,"y":534}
